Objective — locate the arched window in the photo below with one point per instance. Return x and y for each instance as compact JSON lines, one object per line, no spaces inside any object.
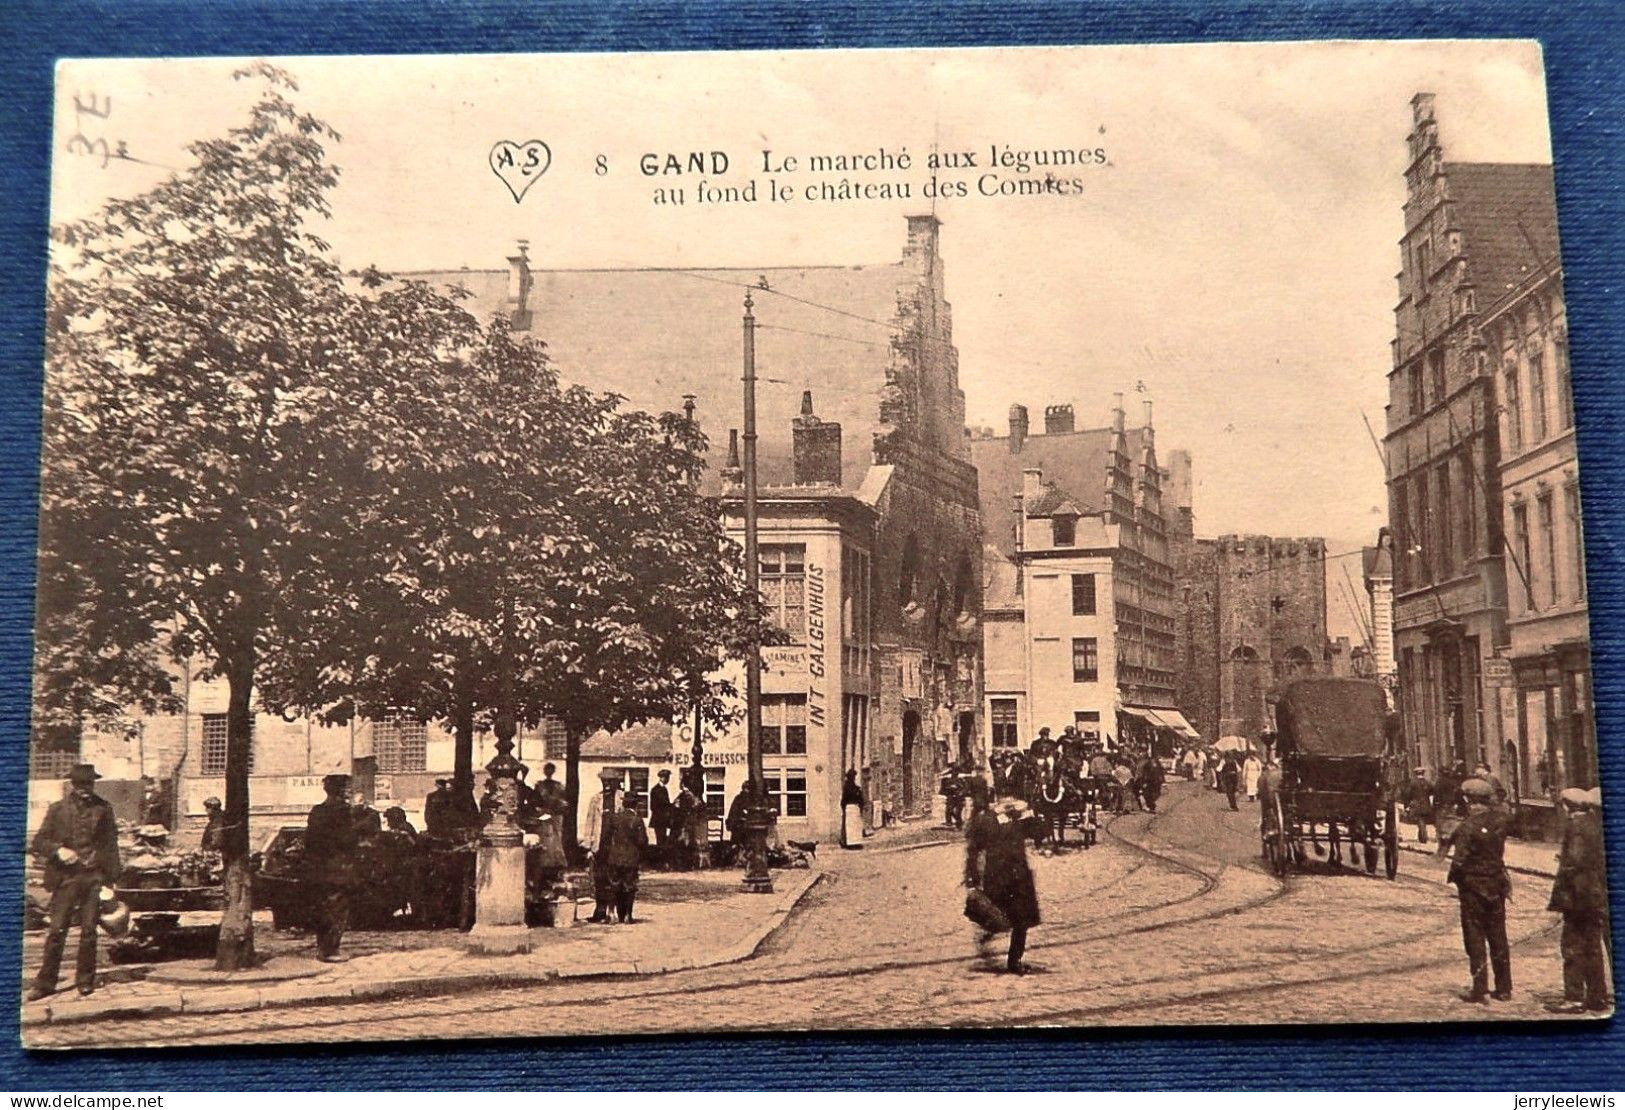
{"x":1298,"y":662}
{"x":1241,"y":653}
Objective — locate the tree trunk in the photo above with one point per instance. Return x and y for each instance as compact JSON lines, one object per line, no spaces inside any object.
{"x":235,"y":949}
{"x":572,"y":794}
{"x":462,"y":715}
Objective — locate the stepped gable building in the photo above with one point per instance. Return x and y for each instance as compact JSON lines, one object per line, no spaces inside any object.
{"x":1489,"y":616}
{"x":870,"y":534}
{"x":1079,"y":620}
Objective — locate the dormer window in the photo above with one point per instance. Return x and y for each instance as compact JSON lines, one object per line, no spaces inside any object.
{"x":1064,"y":530}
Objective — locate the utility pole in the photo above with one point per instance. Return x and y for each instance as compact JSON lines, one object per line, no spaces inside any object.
{"x":758,"y":880}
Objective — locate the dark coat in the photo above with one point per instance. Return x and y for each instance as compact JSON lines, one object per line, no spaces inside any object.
{"x":88,"y":827}
{"x":660,"y":807}
{"x":628,"y":837}
{"x":851,"y":795}
{"x":996,"y":861}
{"x":436,"y":809}
{"x":330,"y":840}
{"x":1580,"y":887}
{"x":1480,"y":844}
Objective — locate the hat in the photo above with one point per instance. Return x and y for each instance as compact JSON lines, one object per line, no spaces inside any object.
{"x":442,"y":782}
{"x":1574,"y":796}
{"x":211,"y":803}
{"x":335,"y":782}
{"x":1477,"y":788}
{"x":83,"y":772}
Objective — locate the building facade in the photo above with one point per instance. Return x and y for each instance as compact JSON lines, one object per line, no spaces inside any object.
{"x":871,"y":540}
{"x":1548,"y":728}
{"x":1079,"y":627}
{"x":1474,"y":232}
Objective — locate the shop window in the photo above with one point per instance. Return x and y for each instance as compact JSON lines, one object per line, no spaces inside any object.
{"x":784,"y":587}
{"x":784,"y":724}
{"x":213,"y":762}
{"x":635,"y":783}
{"x":716,"y":793}
{"x":1006,"y":733}
{"x":1083,"y":595}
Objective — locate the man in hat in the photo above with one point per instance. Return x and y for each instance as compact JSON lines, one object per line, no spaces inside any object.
{"x":1480,"y":874}
{"x":78,"y":845}
{"x":1418,"y":800}
{"x":661,"y":815}
{"x":330,"y":841}
{"x":214,"y":826}
{"x":622,"y":854}
{"x":1579,"y":893}
{"x":437,"y":808}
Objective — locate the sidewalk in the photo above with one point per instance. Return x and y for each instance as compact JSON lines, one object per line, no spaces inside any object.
{"x":685,"y":921}
{"x":1523,"y":856}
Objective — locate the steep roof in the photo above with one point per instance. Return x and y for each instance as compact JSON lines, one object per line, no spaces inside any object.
{"x":648,"y":742}
{"x":652,"y":335}
{"x":1075,"y":462}
{"x":1507,"y":213}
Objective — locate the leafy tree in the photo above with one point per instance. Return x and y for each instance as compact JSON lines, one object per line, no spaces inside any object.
{"x":200,"y":337}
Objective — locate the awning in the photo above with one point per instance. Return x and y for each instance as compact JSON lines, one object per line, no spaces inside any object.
{"x":1171,"y":719}
{"x":1174,"y":719}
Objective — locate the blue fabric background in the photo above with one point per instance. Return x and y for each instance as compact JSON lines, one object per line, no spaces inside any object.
{"x":1583,"y":44}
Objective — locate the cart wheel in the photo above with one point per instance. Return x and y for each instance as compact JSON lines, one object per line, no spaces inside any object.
{"x":1285,"y":845}
{"x":1390,"y":843}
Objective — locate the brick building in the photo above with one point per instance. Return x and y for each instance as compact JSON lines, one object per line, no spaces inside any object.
{"x":870,"y":509}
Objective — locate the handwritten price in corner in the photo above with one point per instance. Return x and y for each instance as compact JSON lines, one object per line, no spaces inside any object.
{"x":519,"y":165}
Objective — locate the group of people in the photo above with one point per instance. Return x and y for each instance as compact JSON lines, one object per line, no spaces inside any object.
{"x":1232,"y":773}
{"x":1476,"y":845}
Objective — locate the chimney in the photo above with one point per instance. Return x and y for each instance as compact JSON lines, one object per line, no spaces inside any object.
{"x":1018,"y":428}
{"x":1057,"y":419}
{"x":1422,"y":107}
{"x":815,"y":448}
{"x":922,"y":238}
{"x":519,"y":284}
{"x":1118,"y":415}
{"x":1032,"y":484}
{"x":688,"y":408}
{"x":1148,"y":414}
{"x":733,"y":475}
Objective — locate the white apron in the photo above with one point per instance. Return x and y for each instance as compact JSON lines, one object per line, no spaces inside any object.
{"x":852,"y":826}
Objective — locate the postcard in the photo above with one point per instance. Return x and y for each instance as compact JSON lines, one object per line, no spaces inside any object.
{"x":826,"y":540}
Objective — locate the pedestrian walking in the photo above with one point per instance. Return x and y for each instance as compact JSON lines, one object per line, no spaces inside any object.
{"x":77,"y":844}
{"x":623,"y":854}
{"x":330,"y":842}
{"x":1580,"y":894}
{"x":1479,"y":872}
{"x":1482,"y":770}
{"x":1123,"y":784}
{"x":1229,"y":778}
{"x":851,"y":812}
{"x":1251,"y":768}
{"x":1419,"y":803}
{"x":661,"y":812}
{"x":996,"y":865}
{"x":1151,"y":782}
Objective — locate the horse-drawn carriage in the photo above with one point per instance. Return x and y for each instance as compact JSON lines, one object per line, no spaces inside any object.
{"x":1336,"y":748}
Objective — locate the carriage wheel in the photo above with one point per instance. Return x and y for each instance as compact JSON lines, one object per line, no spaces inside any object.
{"x":1285,"y":849}
{"x":1390,"y":841}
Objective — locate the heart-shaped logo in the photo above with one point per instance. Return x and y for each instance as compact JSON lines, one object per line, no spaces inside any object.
{"x":520,"y":164}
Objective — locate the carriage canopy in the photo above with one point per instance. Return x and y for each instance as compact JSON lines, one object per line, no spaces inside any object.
{"x":1332,"y":717}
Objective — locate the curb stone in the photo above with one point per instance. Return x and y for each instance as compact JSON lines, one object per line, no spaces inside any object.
{"x":308,"y":993}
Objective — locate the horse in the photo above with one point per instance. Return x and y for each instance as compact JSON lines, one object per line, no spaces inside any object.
{"x":1056,"y":792}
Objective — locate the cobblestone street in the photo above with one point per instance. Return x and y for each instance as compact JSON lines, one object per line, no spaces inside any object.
{"x":1170,"y":920}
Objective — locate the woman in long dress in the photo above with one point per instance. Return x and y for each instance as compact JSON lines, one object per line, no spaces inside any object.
{"x":851,"y":812}
{"x":1250,"y":772}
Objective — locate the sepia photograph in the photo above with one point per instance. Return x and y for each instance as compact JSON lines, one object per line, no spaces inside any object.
{"x":674,"y":543}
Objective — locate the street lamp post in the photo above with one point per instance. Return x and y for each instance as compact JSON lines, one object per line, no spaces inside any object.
{"x":758,"y":880}
{"x":499,"y":888}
